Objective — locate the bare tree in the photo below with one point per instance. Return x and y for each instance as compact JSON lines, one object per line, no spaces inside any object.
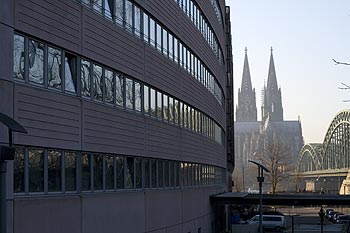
{"x":277,"y":158}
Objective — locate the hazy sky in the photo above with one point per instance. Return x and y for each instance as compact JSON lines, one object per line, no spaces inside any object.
{"x":305,"y":35}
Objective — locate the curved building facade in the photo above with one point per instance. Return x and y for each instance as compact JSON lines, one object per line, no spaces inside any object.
{"x":127,"y":105}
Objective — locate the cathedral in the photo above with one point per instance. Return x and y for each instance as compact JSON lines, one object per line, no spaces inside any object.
{"x":251,"y":136}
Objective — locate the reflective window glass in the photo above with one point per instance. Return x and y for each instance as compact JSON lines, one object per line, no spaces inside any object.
{"x":177,"y":174}
{"x":171,"y":110}
{"x":160,"y":173}
{"x":119,"y":90}
{"x":181,"y":119}
{"x":152,"y":32}
{"x":109,"y":163}
{"x":185,"y":116}
{"x":119,"y":9}
{"x":128,"y":15}
{"x":180,"y":55}
{"x":98,"y":172}
{"x":86,"y":172}
{"x":172,"y":174}
{"x":54,"y":68}
{"x":54,"y":171}
{"x":146,"y":99}
{"x":107,"y":9}
{"x":145,"y":28}
{"x":18,"y":57}
{"x":129,"y":93}
{"x":153,"y":103}
{"x":166,"y":173}
{"x":97,"y":82}
{"x":18,"y":171}
{"x":70,"y":73}
{"x":159,"y":105}
{"x":70,"y":164}
{"x":97,"y":5}
{"x":36,"y":170}
{"x":120,"y":172}
{"x":137,"y":21}
{"x":130,"y":178}
{"x":165,"y":108}
{"x":137,"y":96}
{"x":138,"y":171}
{"x":85,"y":78}
{"x":147,"y":173}
{"x":109,"y":87}
{"x":176,"y":112}
{"x":171,"y":47}
{"x":36,"y":61}
{"x":165,"y":42}
{"x":176,"y":57}
{"x":154,"y":173}
{"x":159,"y":37}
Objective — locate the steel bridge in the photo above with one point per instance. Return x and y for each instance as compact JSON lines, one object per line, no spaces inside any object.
{"x":317,"y":161}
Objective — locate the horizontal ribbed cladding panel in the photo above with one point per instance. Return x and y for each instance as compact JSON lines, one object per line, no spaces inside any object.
{"x":199,"y":149}
{"x":54,"y":21}
{"x":109,"y":44}
{"x":162,"y":140}
{"x":182,"y":27}
{"x":165,"y":75}
{"x":51,"y":119}
{"x":113,"y":130}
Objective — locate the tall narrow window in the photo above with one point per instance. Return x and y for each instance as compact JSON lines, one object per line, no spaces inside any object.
{"x":147,"y":173}
{"x":54,"y":171}
{"x":129,"y":93}
{"x":176,"y":49}
{"x":36,"y":61}
{"x":120,"y":172}
{"x":119,"y":95}
{"x":177,"y":174}
{"x":146,"y":99}
{"x":171,"y":46}
{"x":159,"y":38}
{"x":165,"y":108}
{"x":97,"y":5}
{"x":109,"y":167}
{"x":185,"y":116}
{"x":180,"y":55}
{"x":85,"y":78}
{"x":165,"y":42}
{"x":145,"y":28}
{"x":86,"y":172}
{"x":154,"y":173}
{"x":176,"y":112}
{"x":54,"y":68}
{"x":107,"y":9}
{"x":130,"y":173}
{"x":160,"y":174}
{"x":171,"y":110}
{"x":119,"y":12}
{"x":138,"y":171}
{"x":109,"y":86}
{"x":166,"y":173}
{"x":181,"y":115}
{"x":152,"y":32}
{"x":137,"y":21}
{"x":70,"y":73}
{"x":159,"y":105}
{"x":137,"y":96}
{"x":36,"y":170}
{"x":18,"y":171}
{"x":18,"y":57}
{"x":70,"y":163}
{"x":98,"y":172}
{"x":172,"y":174}
{"x":97,"y":82}
{"x":128,"y":16}
{"x":153,"y":103}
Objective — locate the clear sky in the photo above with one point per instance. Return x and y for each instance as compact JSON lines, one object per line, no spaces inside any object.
{"x":305,"y":35}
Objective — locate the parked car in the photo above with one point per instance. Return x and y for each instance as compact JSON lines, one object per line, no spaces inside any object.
{"x":334,"y":220}
{"x":343,"y":219}
{"x":327,"y":212}
{"x":275,"y":222}
{"x":331,"y":215}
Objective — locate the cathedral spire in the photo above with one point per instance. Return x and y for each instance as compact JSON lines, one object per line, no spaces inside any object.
{"x":246,"y":108}
{"x":272,"y":95}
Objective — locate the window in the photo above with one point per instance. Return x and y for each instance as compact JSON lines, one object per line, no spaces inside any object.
{"x":154,"y":173}
{"x":160,"y":174}
{"x":137,"y":96}
{"x":54,"y":171}
{"x":109,"y":87}
{"x":171,"y":47}
{"x":109,"y":168}
{"x":128,"y":16}
{"x":146,"y":99}
{"x":98,"y":172}
{"x":138,"y":171}
{"x":180,"y":55}
{"x":176,"y":57}
{"x":130,"y":175}
{"x":165,"y":108}
{"x":165,"y":42}
{"x":70,"y":73}
{"x":147,"y":173}
{"x":97,"y":82}
{"x":119,"y":11}
{"x":137,"y":21}
{"x":159,"y":105}
{"x":18,"y":57}
{"x":86,"y":172}
{"x":108,"y":5}
{"x":153,"y":103}
{"x":54,"y":68}
{"x":36,"y":170}
{"x":120,"y":172}
{"x":172,"y":174}
{"x":185,"y":116}
{"x":85,"y":78}
{"x":166,"y":173}
{"x":181,"y":115}
{"x":145,"y":28}
{"x":129,"y":93}
{"x":176,"y":112}
{"x":159,"y":38}
{"x":97,"y":5}
{"x":70,"y":164}
{"x":36,"y":62}
{"x":152,"y":32}
{"x":171,"y":110}
{"x":119,"y":96}
{"x":18,"y":171}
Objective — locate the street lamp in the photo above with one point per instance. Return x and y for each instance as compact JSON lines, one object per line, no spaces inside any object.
{"x":260,"y":178}
{"x":321,"y":214}
{"x":6,"y":153}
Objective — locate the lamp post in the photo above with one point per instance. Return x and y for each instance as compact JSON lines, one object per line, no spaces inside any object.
{"x":6,"y":153}
{"x":321,"y":214}
{"x":260,"y":178}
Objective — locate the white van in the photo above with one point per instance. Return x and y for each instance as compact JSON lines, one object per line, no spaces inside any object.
{"x":276,"y":222}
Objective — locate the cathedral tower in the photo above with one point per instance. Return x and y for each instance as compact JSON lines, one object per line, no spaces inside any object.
{"x":272,"y":100}
{"x":246,"y":108}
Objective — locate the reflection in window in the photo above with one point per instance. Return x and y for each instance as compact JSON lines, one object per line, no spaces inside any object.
{"x":18,"y":171}
{"x":185,"y":116}
{"x":180,"y":54}
{"x":54,"y":68}
{"x":159,"y":105}
{"x":70,"y":161}
{"x":119,"y":9}
{"x":85,"y":78}
{"x":109,"y":86}
{"x":171,"y":110}
{"x":181,"y":115}
{"x":152,"y":32}
{"x":128,"y":15}
{"x":86,"y":172}
{"x":98,"y":172}
{"x":120,"y":172}
{"x":165,"y":108}
{"x":137,"y":96}
{"x":18,"y":57}
{"x":119,"y":96}
{"x":171,"y":48}
{"x":153,"y":103}
{"x":137,"y":21}
{"x":129,"y":179}
{"x":129,"y":93}
{"x":176,"y":57}
{"x":98,"y":82}
{"x":146,"y":99}
{"x":107,"y":8}
{"x":138,"y":171}
{"x":147,"y":173}
{"x":97,"y":5}
{"x":109,"y":163}
{"x":159,"y":38}
{"x":36,"y":62}
{"x":54,"y":171}
{"x":70,"y":73}
{"x":165,"y":42}
{"x":145,"y":28}
{"x":154,"y":173}
{"x":176,"y":112}
{"x":36,"y":170}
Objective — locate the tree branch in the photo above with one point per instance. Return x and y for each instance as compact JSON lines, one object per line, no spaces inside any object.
{"x":341,"y":63}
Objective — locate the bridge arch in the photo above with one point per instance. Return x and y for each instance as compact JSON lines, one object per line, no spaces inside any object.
{"x":310,"y":157}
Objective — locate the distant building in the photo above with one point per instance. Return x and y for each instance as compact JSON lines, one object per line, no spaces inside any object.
{"x":250,"y":135}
